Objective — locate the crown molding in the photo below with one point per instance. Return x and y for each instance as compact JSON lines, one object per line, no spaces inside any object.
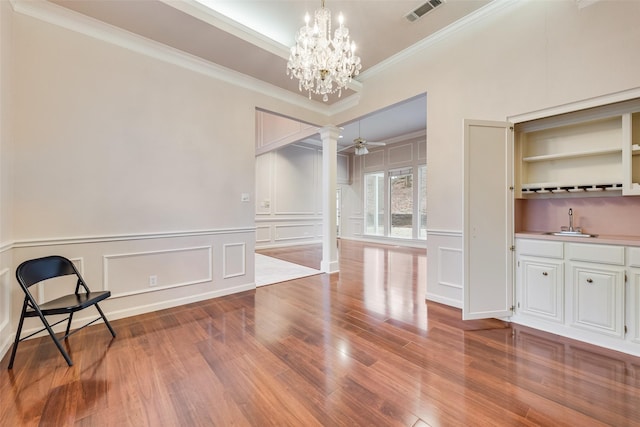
{"x":73,"y":21}
{"x":199,"y":10}
{"x":489,"y":9}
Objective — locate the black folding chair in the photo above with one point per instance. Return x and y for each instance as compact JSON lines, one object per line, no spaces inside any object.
{"x":39,"y":270}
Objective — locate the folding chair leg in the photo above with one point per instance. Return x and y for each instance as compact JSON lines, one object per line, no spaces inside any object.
{"x":106,"y":322}
{"x":54,"y":338}
{"x":17,"y":340}
{"x":66,"y":334}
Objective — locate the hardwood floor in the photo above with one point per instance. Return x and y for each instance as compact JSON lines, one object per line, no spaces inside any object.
{"x":358,"y":348}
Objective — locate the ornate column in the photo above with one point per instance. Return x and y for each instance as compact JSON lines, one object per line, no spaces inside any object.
{"x":329,"y":135}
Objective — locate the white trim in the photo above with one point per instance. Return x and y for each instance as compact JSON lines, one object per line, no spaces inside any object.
{"x":141,"y":309}
{"x":264,"y":218}
{"x":445,"y":233}
{"x":121,"y":237}
{"x":6,"y":246}
{"x":288,"y":244}
{"x":443,"y":300}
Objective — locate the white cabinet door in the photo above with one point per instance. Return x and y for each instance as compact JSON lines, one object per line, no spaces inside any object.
{"x":598,"y":298}
{"x":542,"y":288}
{"x":488,"y":219}
{"x":633,"y":303}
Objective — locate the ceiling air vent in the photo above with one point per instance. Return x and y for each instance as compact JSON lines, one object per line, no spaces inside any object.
{"x":420,"y":11}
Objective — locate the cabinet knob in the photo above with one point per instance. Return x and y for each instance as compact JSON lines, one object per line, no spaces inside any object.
{"x":544,"y":273}
{"x":589,"y":280}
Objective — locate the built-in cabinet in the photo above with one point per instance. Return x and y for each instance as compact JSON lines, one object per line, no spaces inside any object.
{"x":541,"y":290}
{"x":596,"y":150}
{"x":580,"y":290}
{"x":633,"y":296}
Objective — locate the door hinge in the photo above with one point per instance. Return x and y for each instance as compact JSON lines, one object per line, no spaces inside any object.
{"x":512,"y":248}
{"x":513,"y":308}
{"x":625,"y":329}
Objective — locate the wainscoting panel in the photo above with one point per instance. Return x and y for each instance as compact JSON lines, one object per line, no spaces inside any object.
{"x":234,"y":262}
{"x":444,"y":267}
{"x":145,"y":272}
{"x":294,"y":231}
{"x":263,"y":234}
{"x":449,"y":273}
{"x":134,"y":273}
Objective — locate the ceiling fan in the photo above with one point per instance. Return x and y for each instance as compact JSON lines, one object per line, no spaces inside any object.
{"x":360,"y":144}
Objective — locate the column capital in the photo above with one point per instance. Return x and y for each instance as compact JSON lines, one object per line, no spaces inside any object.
{"x":329,"y":132}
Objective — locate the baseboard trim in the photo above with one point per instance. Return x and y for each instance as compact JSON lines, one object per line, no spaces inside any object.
{"x":443,"y":300}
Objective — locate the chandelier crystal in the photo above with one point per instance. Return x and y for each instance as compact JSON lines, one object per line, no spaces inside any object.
{"x":323,"y":65}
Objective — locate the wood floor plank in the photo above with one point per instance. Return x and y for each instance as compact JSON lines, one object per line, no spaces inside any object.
{"x":358,"y":348}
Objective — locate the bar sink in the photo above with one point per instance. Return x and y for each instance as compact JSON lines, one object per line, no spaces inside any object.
{"x":571,"y":234}
{"x":571,"y":231}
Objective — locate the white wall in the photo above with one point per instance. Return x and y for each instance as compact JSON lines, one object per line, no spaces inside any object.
{"x":525,"y":57}
{"x":128,"y":162}
{"x":288,"y":205}
{"x":288,"y":195}
{"x":6,"y":273}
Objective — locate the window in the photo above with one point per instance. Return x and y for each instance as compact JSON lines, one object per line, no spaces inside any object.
{"x":374,"y":203}
{"x":401,"y":203}
{"x":422,"y":201}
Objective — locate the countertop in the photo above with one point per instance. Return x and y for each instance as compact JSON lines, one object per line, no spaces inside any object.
{"x":601,"y":239}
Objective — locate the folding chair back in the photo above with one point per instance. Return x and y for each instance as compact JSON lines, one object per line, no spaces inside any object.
{"x":40,"y":270}
{"x":32,"y":272}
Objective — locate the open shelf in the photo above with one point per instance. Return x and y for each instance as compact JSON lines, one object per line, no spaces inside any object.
{"x":573,"y":155}
{"x":589,"y":152}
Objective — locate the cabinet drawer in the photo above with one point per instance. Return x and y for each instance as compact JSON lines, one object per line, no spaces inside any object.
{"x":634,"y":257}
{"x":542,"y":248}
{"x":602,"y":254}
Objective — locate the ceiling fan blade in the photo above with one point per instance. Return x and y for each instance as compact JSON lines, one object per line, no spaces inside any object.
{"x":345,"y":148}
{"x":379,"y":144}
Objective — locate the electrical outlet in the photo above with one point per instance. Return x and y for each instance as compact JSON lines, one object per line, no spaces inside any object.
{"x":153,"y":280}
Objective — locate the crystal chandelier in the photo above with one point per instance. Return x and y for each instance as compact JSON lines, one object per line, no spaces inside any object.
{"x":320,"y":61}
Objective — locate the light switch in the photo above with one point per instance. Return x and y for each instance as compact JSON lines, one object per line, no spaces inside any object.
{"x":244,"y":197}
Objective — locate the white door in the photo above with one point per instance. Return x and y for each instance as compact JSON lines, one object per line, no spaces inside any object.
{"x":488,"y":219}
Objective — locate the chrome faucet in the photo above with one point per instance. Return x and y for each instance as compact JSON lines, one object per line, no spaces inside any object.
{"x":571,"y":220}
